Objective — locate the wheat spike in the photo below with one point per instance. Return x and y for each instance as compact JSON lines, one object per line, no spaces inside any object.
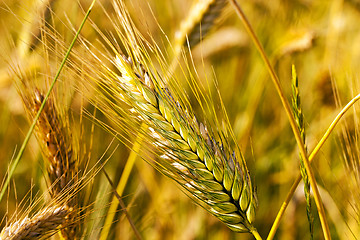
{"x":198,"y":22}
{"x":299,"y":116}
{"x":43,"y":224}
{"x":195,"y":156}
{"x":198,"y":156}
{"x":54,"y":135}
{"x":55,"y":139}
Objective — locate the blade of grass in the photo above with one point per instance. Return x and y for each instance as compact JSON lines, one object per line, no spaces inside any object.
{"x":311,"y":157}
{"x":290,"y":116}
{"x":28,"y":135}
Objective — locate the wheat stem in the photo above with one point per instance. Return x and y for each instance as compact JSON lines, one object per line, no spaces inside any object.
{"x":28,"y":135}
{"x":122,"y":183}
{"x":291,"y":118}
{"x":311,"y":157}
{"x":122,"y":204}
{"x":256,"y":235}
{"x":332,"y":126}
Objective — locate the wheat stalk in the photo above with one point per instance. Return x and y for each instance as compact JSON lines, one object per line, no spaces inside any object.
{"x":291,"y":118}
{"x":43,"y":224}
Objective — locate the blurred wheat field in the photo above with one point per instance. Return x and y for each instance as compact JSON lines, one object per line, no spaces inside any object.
{"x":320,"y":38}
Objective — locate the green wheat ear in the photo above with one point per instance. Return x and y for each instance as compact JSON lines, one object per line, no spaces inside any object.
{"x":193,"y":155}
{"x":199,"y":157}
{"x":299,"y":117}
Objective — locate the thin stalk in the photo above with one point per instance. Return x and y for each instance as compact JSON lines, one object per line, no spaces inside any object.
{"x":28,"y":135}
{"x":121,"y":185}
{"x":122,"y":204}
{"x":290,"y":116}
{"x":256,"y":234}
{"x":311,"y":157}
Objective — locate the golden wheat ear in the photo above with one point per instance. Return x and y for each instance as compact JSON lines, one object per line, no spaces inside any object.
{"x":53,"y":134}
{"x":43,"y":224}
{"x":198,"y":22}
{"x":41,"y":221}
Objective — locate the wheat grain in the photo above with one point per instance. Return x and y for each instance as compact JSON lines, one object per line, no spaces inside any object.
{"x":43,"y":224}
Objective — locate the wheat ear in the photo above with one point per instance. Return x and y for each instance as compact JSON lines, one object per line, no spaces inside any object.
{"x":43,"y":224}
{"x":28,"y":135}
{"x":200,"y":157}
{"x":198,"y":22}
{"x":299,"y":117}
{"x":196,"y":157}
{"x":54,"y":136}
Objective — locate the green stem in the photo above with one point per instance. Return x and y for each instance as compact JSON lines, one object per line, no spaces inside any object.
{"x":290,"y":116}
{"x":28,"y":135}
{"x":311,"y":157}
